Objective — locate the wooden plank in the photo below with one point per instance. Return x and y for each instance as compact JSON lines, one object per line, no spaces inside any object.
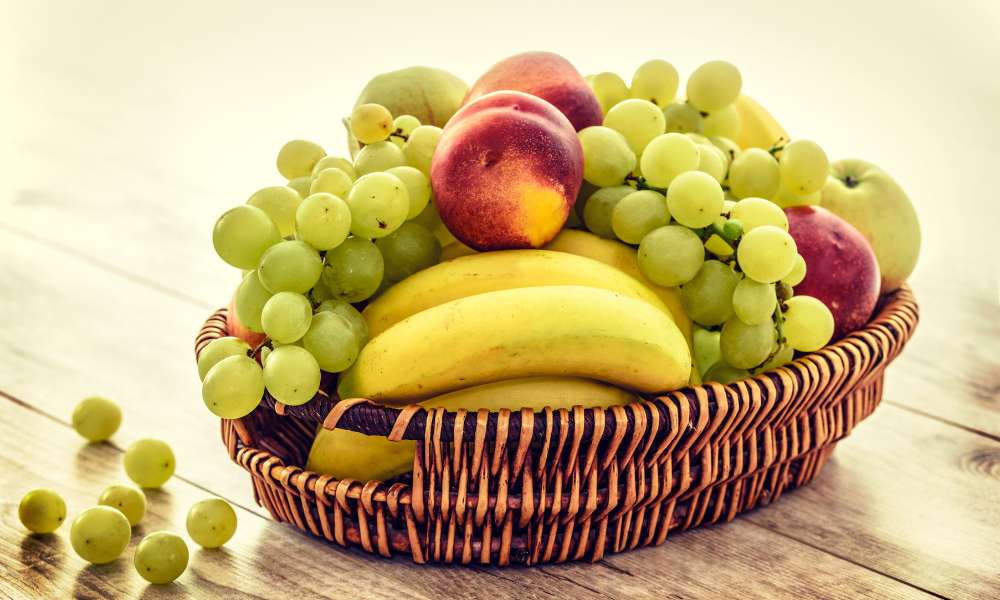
{"x":909,"y":497}
{"x":270,"y":560}
{"x":87,"y":332}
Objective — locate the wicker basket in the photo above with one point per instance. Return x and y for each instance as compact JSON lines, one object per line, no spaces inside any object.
{"x":561,"y":485}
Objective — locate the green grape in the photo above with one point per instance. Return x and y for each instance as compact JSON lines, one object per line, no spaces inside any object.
{"x":746,"y":346}
{"x":96,"y":418}
{"x":607,"y":157}
{"x":379,"y":204}
{"x":724,"y":122}
{"x":637,"y":214}
{"x":808,"y":323}
{"x":718,"y":246}
{"x":332,"y":341}
{"x":161,"y":557}
{"x":331,"y":181}
{"x":279,"y":202}
{"x":100,"y":534}
{"x":730,"y":150}
{"x":754,"y":212}
{"x":233,"y":388}
{"x":301,"y":185}
{"x":708,"y":297}
{"x":409,"y":249}
{"x":286,"y":317}
{"x":706,"y":351}
{"x":609,"y":89}
{"x":656,"y":81}
{"x":264,"y":353}
{"x":242,"y":234}
{"x":599,"y":207}
{"x":371,"y":123}
{"x":754,"y":173}
{"x":290,"y":266}
{"x":292,"y":375}
{"x":335,"y":162}
{"x":804,"y":167}
{"x":798,"y":272}
{"x":767,"y":253}
{"x":723,"y":373}
{"x":418,"y":188}
{"x":380,"y":156}
{"x":354,"y":269}
{"x":638,"y":120}
{"x":420,"y":147}
{"x":42,"y":511}
{"x":782,"y":357}
{"x":347,"y":310}
{"x":787,"y":199}
{"x":668,"y":156}
{"x":150,"y":463}
{"x":126,"y":498}
{"x":218,"y":349}
{"x":683,"y":118}
{"x":251,"y":296}
{"x":671,"y":255}
{"x":298,"y":157}
{"x":714,"y":85}
{"x":402,"y":126}
{"x":695,"y":199}
{"x":711,"y":160}
{"x":211,"y":523}
{"x":429,"y":217}
{"x":754,"y":302}
{"x":323,"y":221}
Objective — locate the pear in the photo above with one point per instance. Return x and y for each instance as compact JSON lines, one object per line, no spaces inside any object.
{"x":431,"y":95}
{"x":868,"y":198}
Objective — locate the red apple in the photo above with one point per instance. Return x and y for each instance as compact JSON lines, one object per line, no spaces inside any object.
{"x":841,"y":268}
{"x":506,"y":172}
{"x":236,"y":328}
{"x":548,"y":76}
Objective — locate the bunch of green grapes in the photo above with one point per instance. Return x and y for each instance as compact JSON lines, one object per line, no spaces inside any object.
{"x":706,"y":215}
{"x":336,"y":234}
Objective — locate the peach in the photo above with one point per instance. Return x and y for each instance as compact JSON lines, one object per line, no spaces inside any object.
{"x":548,"y":76}
{"x":236,"y":328}
{"x":506,"y":172}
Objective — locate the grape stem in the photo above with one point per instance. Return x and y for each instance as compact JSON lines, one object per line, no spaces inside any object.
{"x":399,"y":133}
{"x":639,"y":183}
{"x":777,"y":146}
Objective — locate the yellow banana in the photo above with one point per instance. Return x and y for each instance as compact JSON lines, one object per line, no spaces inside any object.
{"x":492,"y":271}
{"x":623,"y":258}
{"x":525,"y":332}
{"x":350,"y":455}
{"x":759,"y":129}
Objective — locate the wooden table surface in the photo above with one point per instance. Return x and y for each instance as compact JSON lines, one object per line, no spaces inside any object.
{"x":127,"y":128}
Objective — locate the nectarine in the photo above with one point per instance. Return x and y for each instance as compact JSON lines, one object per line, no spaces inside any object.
{"x":506,"y":172}
{"x":548,"y":76}
{"x":841,"y":269}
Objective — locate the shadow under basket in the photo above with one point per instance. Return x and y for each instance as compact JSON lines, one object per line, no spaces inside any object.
{"x":528,"y":488}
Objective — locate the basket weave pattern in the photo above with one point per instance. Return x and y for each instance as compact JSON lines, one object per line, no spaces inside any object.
{"x":522,"y":487}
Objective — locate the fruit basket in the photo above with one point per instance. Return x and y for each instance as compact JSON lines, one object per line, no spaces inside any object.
{"x":522,"y":487}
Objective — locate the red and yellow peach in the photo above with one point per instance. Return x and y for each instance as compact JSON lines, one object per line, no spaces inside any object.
{"x":506,"y":172}
{"x":548,"y":76}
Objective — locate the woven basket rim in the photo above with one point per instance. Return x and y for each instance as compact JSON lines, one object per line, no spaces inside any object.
{"x":408,"y":422}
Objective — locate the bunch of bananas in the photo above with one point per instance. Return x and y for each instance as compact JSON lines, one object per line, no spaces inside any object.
{"x":572,"y":324}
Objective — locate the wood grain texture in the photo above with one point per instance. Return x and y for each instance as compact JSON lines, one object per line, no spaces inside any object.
{"x":127,"y":131}
{"x":267,"y":560}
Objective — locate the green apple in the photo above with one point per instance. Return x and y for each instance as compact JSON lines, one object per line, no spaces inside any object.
{"x":431,"y":95}
{"x":868,"y":198}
